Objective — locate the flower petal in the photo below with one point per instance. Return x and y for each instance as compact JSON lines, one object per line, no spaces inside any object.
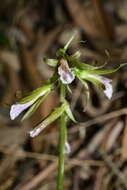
{"x":16,"y":109}
{"x":66,"y":75}
{"x":108,"y":87}
{"x":36,"y":131}
{"x":67,"y":147}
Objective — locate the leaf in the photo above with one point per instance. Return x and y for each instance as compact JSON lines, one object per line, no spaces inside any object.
{"x":34,"y":107}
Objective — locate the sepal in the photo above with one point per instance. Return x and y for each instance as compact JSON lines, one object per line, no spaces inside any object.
{"x":48,"y":120}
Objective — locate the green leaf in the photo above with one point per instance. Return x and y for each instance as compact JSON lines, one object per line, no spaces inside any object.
{"x":36,"y":94}
{"x":34,"y":107}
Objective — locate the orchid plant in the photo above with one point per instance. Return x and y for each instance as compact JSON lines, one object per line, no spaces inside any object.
{"x":66,"y":69}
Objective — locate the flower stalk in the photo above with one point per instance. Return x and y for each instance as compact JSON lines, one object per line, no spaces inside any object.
{"x":62,"y":138}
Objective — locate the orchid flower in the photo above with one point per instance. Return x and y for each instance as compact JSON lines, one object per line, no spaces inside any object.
{"x":100,"y":81}
{"x":33,"y":99}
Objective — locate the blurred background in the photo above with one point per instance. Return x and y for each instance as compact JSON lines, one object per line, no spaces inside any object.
{"x":31,"y":30}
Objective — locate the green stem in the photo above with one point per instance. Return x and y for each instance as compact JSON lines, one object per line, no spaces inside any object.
{"x":62,"y":92}
{"x":62,"y":137}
